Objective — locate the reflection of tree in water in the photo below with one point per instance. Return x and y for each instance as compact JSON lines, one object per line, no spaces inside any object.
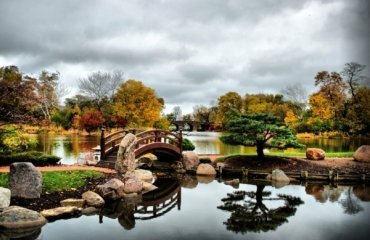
{"x":351,"y":203}
{"x":252,"y":215}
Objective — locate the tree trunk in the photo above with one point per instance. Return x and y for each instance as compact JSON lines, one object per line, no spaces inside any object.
{"x":260,"y":153}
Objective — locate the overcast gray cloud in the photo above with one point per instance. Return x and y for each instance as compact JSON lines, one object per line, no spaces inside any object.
{"x":190,"y":51}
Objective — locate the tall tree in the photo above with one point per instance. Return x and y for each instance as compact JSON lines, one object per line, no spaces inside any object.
{"x":261,"y":130}
{"x":100,"y":85}
{"x":47,"y":85}
{"x":352,"y":74}
{"x":18,"y":100}
{"x":137,"y":105}
{"x":228,"y":105}
{"x":332,"y":88}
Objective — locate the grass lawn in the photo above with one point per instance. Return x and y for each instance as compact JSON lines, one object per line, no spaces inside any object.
{"x":293,"y":154}
{"x":59,"y":180}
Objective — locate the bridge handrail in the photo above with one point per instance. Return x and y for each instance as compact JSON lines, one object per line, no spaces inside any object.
{"x":109,"y":142}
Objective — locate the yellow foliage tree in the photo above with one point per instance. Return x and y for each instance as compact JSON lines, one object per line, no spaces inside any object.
{"x":321,"y":107}
{"x":137,"y":104}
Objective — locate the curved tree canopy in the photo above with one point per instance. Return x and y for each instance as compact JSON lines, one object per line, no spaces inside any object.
{"x":261,"y":130}
{"x":137,"y":104}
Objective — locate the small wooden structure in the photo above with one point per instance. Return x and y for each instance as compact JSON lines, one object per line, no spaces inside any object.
{"x":147,"y":141}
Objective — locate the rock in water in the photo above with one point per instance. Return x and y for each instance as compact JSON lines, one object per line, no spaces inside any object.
{"x":93,"y":199}
{"x":25,"y":180}
{"x":190,"y":160}
{"x":279,"y":176}
{"x":362,"y":154}
{"x":206,"y":169}
{"x":61,"y":212}
{"x":19,"y":218}
{"x":113,"y":189}
{"x":126,"y":156}
{"x":4,"y":197}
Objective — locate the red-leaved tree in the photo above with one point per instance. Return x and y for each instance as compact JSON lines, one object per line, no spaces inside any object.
{"x":91,"y":119}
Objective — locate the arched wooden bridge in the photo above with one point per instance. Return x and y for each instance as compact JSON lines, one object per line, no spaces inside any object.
{"x":159,"y":142}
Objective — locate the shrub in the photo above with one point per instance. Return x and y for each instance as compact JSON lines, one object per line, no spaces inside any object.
{"x":187,"y":145}
{"x":36,"y":158}
{"x":13,"y":140}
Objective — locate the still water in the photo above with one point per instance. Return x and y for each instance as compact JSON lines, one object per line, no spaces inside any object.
{"x":69,"y":147}
{"x":203,"y":208}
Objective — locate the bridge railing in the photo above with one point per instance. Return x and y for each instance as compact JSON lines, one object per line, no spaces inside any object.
{"x":110,"y":142}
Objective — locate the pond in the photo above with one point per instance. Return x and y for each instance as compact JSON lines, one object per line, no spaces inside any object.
{"x":203,"y":208}
{"x":69,"y":147}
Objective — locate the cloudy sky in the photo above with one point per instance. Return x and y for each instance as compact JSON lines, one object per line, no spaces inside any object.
{"x":190,"y":51}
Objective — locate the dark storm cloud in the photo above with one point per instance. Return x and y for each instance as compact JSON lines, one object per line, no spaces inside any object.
{"x":189,"y":51}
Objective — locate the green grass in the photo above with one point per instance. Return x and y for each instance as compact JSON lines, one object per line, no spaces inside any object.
{"x":292,"y":154}
{"x":303,"y":154}
{"x":4,"y":180}
{"x":59,"y":180}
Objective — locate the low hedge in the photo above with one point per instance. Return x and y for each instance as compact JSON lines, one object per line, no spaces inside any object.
{"x":36,"y":158}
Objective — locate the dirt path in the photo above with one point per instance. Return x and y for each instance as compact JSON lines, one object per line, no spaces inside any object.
{"x":5,"y":169}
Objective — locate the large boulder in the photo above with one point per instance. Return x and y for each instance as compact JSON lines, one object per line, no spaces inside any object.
{"x":25,"y":180}
{"x":206,"y":169}
{"x":315,"y":154}
{"x":113,"y":189}
{"x":61,"y":212}
{"x":279,"y":176}
{"x":18,"y":218}
{"x":133,"y":185}
{"x":144,"y":175}
{"x":190,"y":160}
{"x":362,"y":154}
{"x":4,"y":197}
{"x":126,"y":156}
{"x":93,"y":199}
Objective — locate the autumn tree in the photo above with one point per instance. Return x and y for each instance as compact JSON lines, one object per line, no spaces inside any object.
{"x":91,"y":119}
{"x":261,"y":130}
{"x":18,"y":100}
{"x":203,"y":115}
{"x":137,"y":104}
{"x":332,"y":88}
{"x":228,"y":105}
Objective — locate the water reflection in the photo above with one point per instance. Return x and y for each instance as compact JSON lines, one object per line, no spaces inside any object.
{"x":148,"y":206}
{"x":68,"y":147}
{"x":252,"y":215}
{"x":350,"y":203}
{"x":215,"y":210}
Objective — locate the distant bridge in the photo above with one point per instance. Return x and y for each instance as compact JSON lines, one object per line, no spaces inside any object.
{"x":163,"y":144}
{"x":180,"y":125}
